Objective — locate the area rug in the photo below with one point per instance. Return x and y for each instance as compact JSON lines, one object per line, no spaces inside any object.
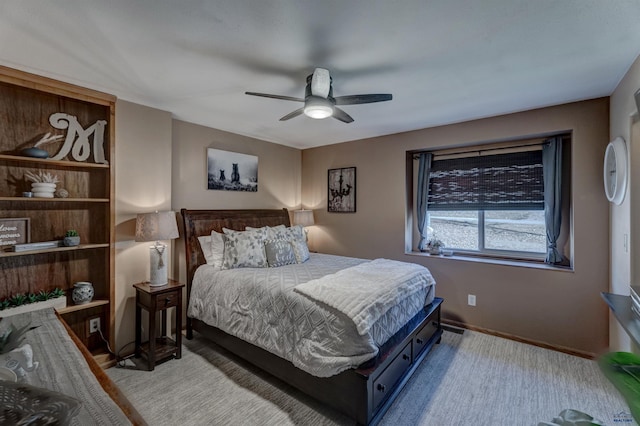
{"x":468,"y":379}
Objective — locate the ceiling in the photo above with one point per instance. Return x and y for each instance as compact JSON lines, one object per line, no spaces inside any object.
{"x":444,"y":61}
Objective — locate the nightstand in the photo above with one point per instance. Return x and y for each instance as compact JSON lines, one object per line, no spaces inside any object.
{"x":156,"y":299}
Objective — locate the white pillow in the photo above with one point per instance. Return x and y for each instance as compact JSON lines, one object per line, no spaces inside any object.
{"x":212,"y":248}
{"x":244,"y":249}
{"x":205,"y":246}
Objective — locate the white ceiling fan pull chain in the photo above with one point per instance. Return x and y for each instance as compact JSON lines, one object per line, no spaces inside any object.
{"x":320,"y":83}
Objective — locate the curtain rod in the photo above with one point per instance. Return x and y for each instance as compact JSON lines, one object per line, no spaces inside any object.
{"x":480,"y":151}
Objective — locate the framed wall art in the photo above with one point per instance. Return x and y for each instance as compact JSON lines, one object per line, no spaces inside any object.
{"x":231,"y":171}
{"x":342,"y":190}
{"x":14,"y":230}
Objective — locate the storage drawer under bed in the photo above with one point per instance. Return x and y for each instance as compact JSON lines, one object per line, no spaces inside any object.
{"x":425,"y":333}
{"x":385,"y":383}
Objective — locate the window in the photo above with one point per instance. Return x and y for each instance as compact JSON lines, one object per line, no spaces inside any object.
{"x":521,"y":231}
{"x":483,"y":202}
{"x":491,"y":201}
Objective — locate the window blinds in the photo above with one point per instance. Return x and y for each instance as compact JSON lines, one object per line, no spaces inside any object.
{"x":511,"y":181}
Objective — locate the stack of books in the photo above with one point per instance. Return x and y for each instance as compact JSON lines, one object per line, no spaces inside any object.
{"x":635,"y":299}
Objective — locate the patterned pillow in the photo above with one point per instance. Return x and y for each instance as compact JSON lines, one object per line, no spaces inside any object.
{"x":271,"y":231}
{"x":279,"y":253}
{"x":291,"y":233}
{"x":244,"y":249}
{"x":298,"y":239}
{"x":301,"y":250}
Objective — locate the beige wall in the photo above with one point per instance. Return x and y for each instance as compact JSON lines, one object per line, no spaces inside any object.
{"x":143,"y":184}
{"x":558,"y":307}
{"x":624,"y":262}
{"x":161,"y":164}
{"x":278,"y":175}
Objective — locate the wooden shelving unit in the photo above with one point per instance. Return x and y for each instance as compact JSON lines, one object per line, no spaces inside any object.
{"x":27,"y":103}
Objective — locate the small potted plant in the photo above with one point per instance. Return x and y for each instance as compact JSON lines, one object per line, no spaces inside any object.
{"x":71,"y":238}
{"x":435,"y":245}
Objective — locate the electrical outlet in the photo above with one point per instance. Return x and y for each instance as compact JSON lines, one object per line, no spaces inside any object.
{"x":471,"y":299}
{"x":94,"y":325}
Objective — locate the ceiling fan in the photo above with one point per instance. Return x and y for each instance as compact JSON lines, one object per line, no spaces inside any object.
{"x":319,"y":101}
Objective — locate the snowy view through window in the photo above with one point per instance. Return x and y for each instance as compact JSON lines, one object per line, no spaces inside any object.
{"x":517,"y":231}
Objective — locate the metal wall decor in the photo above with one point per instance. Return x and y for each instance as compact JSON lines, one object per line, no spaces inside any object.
{"x":342,"y":190}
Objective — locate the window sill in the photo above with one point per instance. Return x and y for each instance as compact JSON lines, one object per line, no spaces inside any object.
{"x":494,"y":261}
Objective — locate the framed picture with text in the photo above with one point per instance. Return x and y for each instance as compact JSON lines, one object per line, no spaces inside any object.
{"x":14,"y":230}
{"x":342,"y":190}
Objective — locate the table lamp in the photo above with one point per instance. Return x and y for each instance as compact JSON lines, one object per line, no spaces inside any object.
{"x":305,"y":218}
{"x":155,"y":227}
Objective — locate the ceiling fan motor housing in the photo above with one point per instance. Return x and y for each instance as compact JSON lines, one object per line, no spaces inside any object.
{"x":316,"y":106}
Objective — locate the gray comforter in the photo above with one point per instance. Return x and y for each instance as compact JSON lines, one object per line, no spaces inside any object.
{"x":259,"y":305}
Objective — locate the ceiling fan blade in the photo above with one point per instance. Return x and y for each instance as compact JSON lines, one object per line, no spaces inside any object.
{"x":292,"y":114}
{"x":284,"y":98}
{"x":320,"y":83}
{"x":363,"y":99}
{"x":339,"y":114}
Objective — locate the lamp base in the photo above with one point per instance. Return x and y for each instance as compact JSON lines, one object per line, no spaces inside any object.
{"x":158,"y":265}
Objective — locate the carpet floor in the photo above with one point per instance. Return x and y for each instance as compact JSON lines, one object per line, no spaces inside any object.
{"x":468,"y":379}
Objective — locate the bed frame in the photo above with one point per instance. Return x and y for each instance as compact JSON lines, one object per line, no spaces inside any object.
{"x":364,"y":393}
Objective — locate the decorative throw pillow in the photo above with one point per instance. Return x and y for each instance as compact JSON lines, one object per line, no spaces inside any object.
{"x":291,"y":233}
{"x":244,"y":249}
{"x":271,"y":232}
{"x":279,"y":253}
{"x":298,"y":238}
{"x":301,"y":250}
{"x":212,"y":248}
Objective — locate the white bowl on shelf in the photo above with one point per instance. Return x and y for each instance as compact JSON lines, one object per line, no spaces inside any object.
{"x":43,"y":194}
{"x":43,"y":185}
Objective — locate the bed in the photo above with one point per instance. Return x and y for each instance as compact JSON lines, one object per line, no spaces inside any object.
{"x":362,"y":388}
{"x":57,"y":379}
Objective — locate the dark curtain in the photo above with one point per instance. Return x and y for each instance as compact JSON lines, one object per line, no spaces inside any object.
{"x":552,"y":170}
{"x":424,"y":170}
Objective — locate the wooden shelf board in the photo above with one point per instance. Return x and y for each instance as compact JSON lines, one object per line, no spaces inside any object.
{"x":165,"y":347}
{"x":104,"y":360}
{"x":56,"y":200}
{"x":57,"y":163}
{"x":621,"y":308}
{"x":75,"y":308}
{"x":50,"y":250}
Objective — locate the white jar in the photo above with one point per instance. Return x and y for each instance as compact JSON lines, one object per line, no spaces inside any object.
{"x":43,"y":189}
{"x":82,"y":292}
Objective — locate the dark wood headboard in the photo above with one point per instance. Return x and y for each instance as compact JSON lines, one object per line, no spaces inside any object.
{"x":202,"y":222}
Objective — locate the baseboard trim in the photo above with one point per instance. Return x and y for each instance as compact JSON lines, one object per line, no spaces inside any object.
{"x":557,"y":348}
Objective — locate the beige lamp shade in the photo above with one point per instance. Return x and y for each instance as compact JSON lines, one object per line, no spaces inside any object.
{"x":303,"y":217}
{"x":156,"y":226}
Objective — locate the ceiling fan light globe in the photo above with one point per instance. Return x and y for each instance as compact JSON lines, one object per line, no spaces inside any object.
{"x":318,"y":108}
